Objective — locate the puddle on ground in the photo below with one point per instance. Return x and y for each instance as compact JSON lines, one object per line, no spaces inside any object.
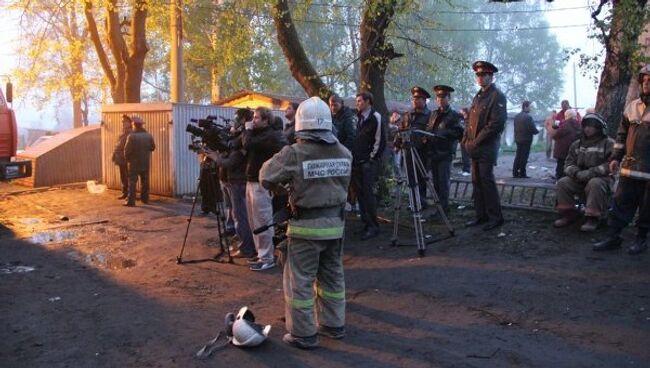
{"x":30,"y":221}
{"x":52,"y":236}
{"x":111,"y":262}
{"x":8,"y":269}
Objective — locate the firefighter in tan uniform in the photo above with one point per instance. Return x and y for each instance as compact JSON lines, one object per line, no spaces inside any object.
{"x":316,"y":170}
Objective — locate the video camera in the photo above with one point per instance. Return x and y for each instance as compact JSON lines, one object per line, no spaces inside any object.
{"x":210,"y":133}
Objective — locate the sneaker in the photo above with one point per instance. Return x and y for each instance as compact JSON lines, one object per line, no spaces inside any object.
{"x":310,"y":342}
{"x":335,"y":333}
{"x":261,"y":266}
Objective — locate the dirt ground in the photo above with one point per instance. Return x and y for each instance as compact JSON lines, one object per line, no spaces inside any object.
{"x":105,"y":291}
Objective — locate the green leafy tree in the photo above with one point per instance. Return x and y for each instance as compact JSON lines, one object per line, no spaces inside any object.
{"x":55,"y":55}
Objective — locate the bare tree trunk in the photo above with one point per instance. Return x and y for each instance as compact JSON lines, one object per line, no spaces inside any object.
{"x":301,"y":68}
{"x":618,"y":69}
{"x":125,"y":75}
{"x":352,"y":33}
{"x":375,"y":51}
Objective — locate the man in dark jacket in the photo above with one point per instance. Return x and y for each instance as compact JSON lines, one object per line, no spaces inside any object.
{"x":290,"y":126}
{"x":367,"y":151}
{"x":261,"y":142}
{"x":487,"y":118}
{"x":445,"y":124}
{"x":525,"y":129}
{"x":632,"y":151}
{"x":343,"y":121}
{"x":137,"y":151}
{"x":118,"y":156}
{"x":234,"y":162}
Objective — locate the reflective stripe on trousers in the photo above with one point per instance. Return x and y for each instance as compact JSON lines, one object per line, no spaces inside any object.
{"x":313,"y":264}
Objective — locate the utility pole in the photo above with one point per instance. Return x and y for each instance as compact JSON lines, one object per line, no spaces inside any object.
{"x":575,"y":93}
{"x":215,"y":70}
{"x":176,"y":29}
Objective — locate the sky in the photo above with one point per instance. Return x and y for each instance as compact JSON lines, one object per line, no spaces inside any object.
{"x":556,"y":13}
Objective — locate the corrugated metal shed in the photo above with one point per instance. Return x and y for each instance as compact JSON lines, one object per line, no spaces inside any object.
{"x":70,"y":156}
{"x":174,"y":168}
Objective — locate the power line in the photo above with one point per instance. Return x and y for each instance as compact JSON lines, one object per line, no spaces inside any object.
{"x":456,"y":11}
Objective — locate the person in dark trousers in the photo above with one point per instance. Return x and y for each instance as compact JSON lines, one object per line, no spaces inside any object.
{"x":137,"y":151}
{"x":486,"y":121}
{"x":632,"y":154}
{"x":466,"y":161}
{"x":118,"y":156}
{"x":343,"y":121}
{"x":525,"y":129}
{"x":445,"y":124}
{"x":367,"y":152}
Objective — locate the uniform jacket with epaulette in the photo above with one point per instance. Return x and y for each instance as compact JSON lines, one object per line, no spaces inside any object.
{"x":633,"y":141}
{"x":486,"y":121}
{"x":447,"y":127}
{"x":416,"y":120}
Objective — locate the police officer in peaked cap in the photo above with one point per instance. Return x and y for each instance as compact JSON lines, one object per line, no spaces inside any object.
{"x":417,"y":118}
{"x":445,"y":124}
{"x":481,"y":139}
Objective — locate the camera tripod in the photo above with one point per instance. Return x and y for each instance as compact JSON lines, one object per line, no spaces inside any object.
{"x":215,"y":186}
{"x":412,"y":168}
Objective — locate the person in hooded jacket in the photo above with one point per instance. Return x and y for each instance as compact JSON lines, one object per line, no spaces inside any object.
{"x":587,"y":175}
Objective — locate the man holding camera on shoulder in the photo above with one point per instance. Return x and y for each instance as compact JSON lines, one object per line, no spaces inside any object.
{"x":261,"y":142}
{"x":233,"y":161}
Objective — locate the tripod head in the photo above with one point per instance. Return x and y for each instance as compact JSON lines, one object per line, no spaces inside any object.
{"x":405,"y":135}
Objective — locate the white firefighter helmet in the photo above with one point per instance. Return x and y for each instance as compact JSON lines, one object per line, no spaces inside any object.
{"x":245,"y":332}
{"x":644,"y":71}
{"x":313,"y":114}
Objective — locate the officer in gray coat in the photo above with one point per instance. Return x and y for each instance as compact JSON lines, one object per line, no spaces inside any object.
{"x":137,"y":152}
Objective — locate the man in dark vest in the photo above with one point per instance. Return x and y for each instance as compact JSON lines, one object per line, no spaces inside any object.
{"x":368,"y":148}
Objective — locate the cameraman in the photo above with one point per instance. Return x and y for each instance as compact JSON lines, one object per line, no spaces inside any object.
{"x":233,"y":161}
{"x":261,"y":142}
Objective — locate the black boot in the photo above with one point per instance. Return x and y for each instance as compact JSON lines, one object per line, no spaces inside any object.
{"x":609,"y":243}
{"x":639,"y":246}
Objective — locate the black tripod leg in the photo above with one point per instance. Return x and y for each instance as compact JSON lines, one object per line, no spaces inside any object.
{"x":179,"y":259}
{"x":221,"y":224}
{"x":436,"y":201}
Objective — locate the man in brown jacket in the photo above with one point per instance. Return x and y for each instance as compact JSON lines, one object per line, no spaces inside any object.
{"x":137,"y":152}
